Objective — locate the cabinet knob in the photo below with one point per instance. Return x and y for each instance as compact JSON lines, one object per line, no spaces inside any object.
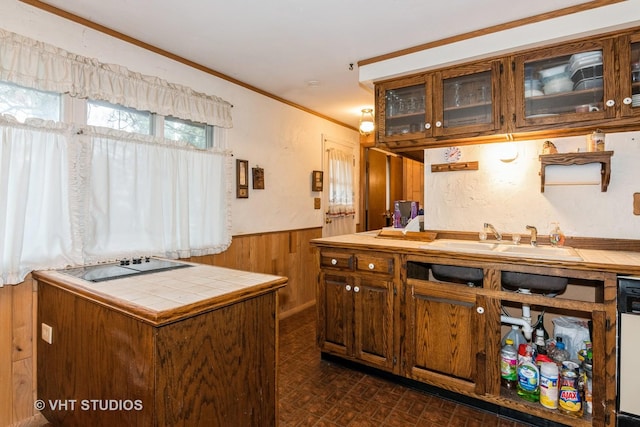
{"x":627,"y":101}
{"x":438,"y":124}
{"x":334,"y":261}
{"x":348,"y":288}
{"x":356,"y":289}
{"x":427,"y":125}
{"x":371,"y":266}
{"x":610,"y":103}
{"x":480,"y":310}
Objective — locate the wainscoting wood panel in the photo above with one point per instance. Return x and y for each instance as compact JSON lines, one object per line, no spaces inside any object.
{"x":284,"y":253}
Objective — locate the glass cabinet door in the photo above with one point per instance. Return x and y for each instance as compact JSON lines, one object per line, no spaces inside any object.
{"x":465,"y":103}
{"x":575,"y":86}
{"x":403,"y":108}
{"x":635,"y":76}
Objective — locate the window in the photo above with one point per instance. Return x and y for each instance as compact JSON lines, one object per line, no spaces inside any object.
{"x":23,"y":103}
{"x":199,"y":135}
{"x":105,"y":114}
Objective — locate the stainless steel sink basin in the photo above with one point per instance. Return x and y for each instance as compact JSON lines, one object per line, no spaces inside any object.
{"x":534,"y":282}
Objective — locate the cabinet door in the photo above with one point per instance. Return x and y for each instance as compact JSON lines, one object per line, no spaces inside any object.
{"x":373,"y":312}
{"x":441,"y":335}
{"x":467,"y":99}
{"x":335,"y":313}
{"x":566,"y":84}
{"x":629,"y":57}
{"x":404,"y":109}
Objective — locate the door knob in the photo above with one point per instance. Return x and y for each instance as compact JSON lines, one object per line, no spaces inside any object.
{"x":328,"y":221}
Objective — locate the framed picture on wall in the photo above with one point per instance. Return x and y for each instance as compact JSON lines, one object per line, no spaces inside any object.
{"x":242,"y":179}
{"x":258,"y":178}
{"x":316,"y":181}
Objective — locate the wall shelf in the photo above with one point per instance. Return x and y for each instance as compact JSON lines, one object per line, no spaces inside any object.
{"x":454,"y":167}
{"x":568,"y":159}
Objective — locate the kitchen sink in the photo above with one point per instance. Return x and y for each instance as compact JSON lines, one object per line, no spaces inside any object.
{"x":456,"y":274}
{"x":535,"y":282}
{"x":543,"y":252}
{"x":461,"y":246}
{"x":504,"y":249}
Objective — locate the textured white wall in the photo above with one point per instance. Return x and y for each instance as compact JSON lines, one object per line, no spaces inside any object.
{"x":283,"y":140}
{"x":508,"y":194}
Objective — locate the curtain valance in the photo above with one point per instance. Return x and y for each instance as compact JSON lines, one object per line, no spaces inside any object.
{"x":38,"y":65}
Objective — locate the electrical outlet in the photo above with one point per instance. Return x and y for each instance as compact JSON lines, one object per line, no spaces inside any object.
{"x":636,"y":203}
{"x":47,"y":333}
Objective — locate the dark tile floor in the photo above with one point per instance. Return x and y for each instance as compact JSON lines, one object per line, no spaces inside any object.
{"x":317,"y":392}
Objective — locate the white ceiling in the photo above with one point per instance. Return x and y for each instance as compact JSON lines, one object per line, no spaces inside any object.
{"x":280,"y":46}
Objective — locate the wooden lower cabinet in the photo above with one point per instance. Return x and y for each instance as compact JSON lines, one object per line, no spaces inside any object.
{"x":356,"y":316}
{"x":356,"y":308}
{"x":448,"y":335}
{"x":441,"y":331}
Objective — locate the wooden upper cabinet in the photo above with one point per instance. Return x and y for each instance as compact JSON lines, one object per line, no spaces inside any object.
{"x":562,"y":89}
{"x":467,"y":99}
{"x":404,"y":109}
{"x":629,"y":78}
{"x":568,"y":84}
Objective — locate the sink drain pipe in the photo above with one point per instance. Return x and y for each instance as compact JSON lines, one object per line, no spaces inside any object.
{"x":524,"y":321}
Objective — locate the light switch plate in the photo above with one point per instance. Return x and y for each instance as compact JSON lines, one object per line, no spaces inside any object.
{"x":47,"y":333}
{"x":316,"y":203}
{"x":636,"y":203}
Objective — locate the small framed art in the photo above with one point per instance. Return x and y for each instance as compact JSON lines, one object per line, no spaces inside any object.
{"x":242,"y":179}
{"x":316,"y":181}
{"x":258,"y":178}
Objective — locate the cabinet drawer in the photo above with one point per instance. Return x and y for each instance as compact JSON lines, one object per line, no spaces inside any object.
{"x":339,"y":260}
{"x":374,"y":264}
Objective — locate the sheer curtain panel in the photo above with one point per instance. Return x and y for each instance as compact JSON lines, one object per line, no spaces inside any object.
{"x":341,"y":191}
{"x":37,"y":162}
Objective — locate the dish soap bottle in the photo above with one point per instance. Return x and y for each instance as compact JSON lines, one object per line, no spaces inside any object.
{"x":556,"y":238}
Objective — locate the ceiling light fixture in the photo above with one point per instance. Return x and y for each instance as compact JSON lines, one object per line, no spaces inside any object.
{"x":366,"y":121}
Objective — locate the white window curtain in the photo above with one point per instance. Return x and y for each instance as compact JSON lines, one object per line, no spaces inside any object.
{"x":72,"y":195}
{"x":38,"y":65}
{"x":36,"y":216}
{"x":171,"y":201}
{"x":341,"y":191}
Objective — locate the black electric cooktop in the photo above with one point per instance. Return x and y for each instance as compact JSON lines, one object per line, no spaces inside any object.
{"x":125,"y":268}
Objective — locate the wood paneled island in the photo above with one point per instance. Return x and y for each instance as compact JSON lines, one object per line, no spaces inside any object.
{"x":189,"y":347}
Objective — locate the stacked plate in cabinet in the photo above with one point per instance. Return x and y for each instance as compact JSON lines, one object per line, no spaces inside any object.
{"x":586,"y":70}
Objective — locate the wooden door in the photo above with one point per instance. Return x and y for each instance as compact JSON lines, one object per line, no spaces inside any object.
{"x":373,"y":313}
{"x":335,"y":309}
{"x":384,"y":185}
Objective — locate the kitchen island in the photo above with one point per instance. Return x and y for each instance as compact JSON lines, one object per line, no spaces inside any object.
{"x":380,"y":305}
{"x":193,"y":346}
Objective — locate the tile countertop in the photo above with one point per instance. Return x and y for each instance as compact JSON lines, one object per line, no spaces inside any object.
{"x":168,"y":296}
{"x":622,"y":262}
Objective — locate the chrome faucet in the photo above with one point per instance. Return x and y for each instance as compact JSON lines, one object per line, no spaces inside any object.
{"x":493,"y":230}
{"x":534,"y":235}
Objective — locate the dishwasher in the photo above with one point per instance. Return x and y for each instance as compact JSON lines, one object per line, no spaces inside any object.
{"x":628,"y":400}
